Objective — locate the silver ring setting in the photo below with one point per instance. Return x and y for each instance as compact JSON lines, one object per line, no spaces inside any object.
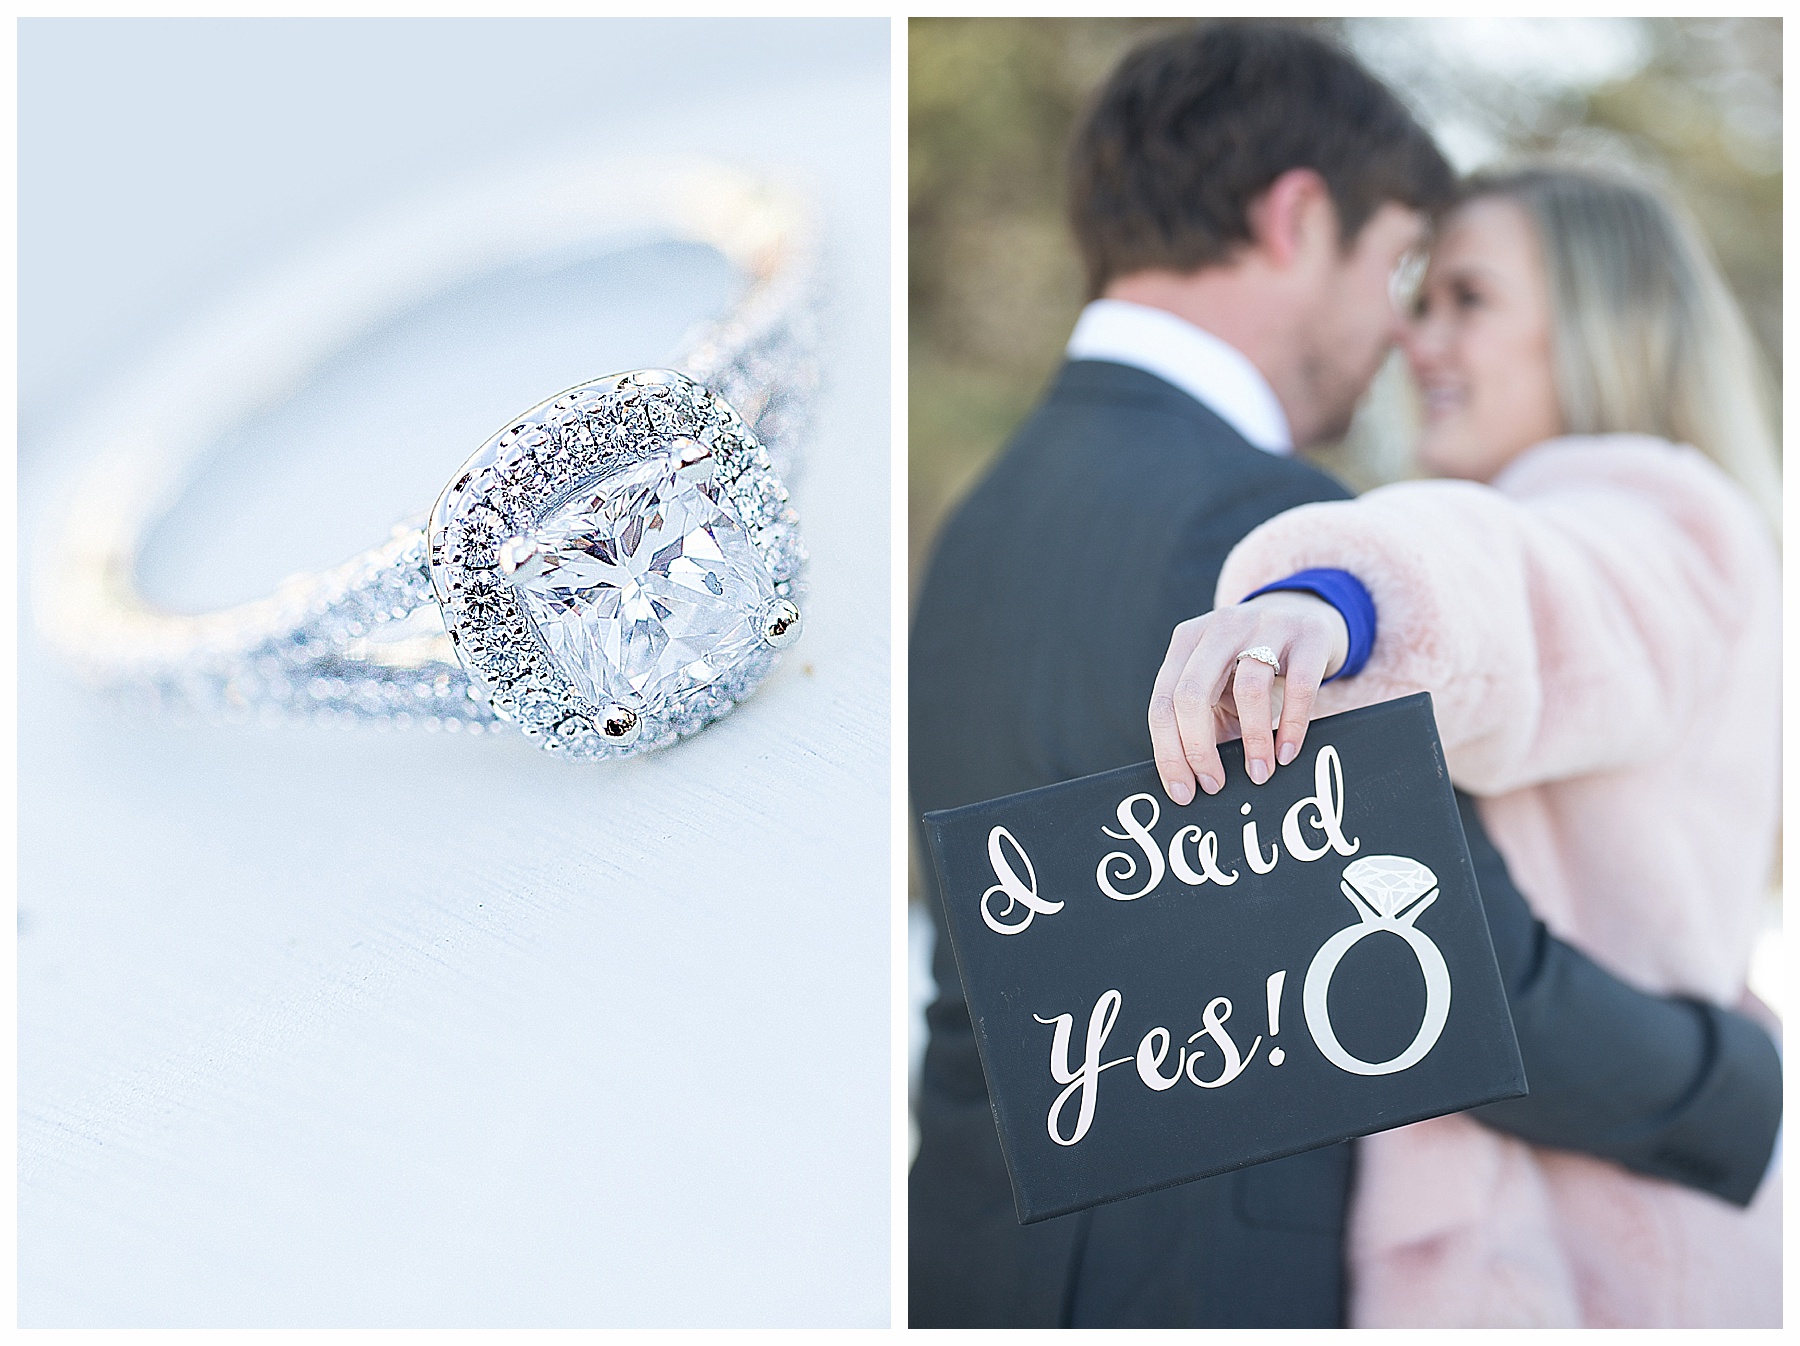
{"x":1263,"y":655}
{"x":617,"y":567}
{"x":614,"y":569}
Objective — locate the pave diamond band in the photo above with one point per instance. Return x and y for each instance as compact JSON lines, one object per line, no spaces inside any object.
{"x":1263,"y":655}
{"x":615,"y":568}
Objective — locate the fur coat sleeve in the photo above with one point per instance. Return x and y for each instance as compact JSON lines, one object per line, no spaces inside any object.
{"x":1568,"y":619}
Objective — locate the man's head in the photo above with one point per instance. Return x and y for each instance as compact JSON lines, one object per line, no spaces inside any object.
{"x":1256,"y":180}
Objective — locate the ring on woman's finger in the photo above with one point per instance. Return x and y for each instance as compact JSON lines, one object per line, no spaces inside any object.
{"x":1263,"y":655}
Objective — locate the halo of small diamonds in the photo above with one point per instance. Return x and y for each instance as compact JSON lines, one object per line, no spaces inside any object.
{"x":522,"y":476}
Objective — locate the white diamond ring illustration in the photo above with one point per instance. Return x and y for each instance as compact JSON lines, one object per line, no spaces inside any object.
{"x":1389,"y":892}
{"x":618,"y":566}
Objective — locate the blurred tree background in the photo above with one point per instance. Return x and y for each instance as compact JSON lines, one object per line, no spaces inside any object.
{"x":995,"y":287}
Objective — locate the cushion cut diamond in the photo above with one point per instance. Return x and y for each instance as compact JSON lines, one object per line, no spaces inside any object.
{"x":646,"y":586}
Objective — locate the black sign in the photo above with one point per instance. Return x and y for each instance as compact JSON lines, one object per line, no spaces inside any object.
{"x":1161,"y":993}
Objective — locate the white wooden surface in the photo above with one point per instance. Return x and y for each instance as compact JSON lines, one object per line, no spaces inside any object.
{"x":303,"y":1040}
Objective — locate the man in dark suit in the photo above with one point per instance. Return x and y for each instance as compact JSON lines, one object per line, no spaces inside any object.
{"x":1242,"y":194}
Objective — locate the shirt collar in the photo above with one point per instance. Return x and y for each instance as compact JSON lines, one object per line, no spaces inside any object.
{"x":1211,"y":371}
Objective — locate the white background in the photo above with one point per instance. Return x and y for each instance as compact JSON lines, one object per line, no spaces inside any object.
{"x":332,"y":1027}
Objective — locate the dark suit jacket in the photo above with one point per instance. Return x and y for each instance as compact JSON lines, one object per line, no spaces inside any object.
{"x":1039,"y":628}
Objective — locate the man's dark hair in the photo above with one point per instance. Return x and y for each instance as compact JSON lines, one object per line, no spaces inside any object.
{"x":1194,"y":125}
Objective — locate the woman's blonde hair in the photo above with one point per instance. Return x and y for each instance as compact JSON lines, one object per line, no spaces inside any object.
{"x":1646,"y":336}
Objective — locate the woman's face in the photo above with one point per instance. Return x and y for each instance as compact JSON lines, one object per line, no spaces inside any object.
{"x":1479,"y":343}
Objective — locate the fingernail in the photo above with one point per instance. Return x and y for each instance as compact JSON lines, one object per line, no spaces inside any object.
{"x":1210,"y":785}
{"x":1259,"y":770}
{"x":1289,"y":751}
{"x":1180,"y":791}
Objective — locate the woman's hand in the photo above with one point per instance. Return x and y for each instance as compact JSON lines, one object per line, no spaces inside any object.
{"x":1204,"y":693}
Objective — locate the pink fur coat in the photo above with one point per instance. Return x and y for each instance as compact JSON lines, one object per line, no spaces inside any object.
{"x":1600,"y":631}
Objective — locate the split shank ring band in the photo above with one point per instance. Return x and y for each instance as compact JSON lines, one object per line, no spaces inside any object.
{"x":1263,"y":655}
{"x":614,"y":568}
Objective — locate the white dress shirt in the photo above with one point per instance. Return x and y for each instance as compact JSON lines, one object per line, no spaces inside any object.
{"x":1212,"y":372}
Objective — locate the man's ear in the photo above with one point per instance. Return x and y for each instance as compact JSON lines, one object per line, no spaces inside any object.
{"x":1292,"y":218}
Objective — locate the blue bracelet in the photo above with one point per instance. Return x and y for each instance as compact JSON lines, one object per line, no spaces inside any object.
{"x":1346,"y":593}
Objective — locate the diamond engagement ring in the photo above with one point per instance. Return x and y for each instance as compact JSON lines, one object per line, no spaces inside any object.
{"x":615,"y":568}
{"x":1263,"y":655}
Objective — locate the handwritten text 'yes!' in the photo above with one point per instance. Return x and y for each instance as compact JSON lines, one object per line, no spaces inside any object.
{"x":1082,"y":1082}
